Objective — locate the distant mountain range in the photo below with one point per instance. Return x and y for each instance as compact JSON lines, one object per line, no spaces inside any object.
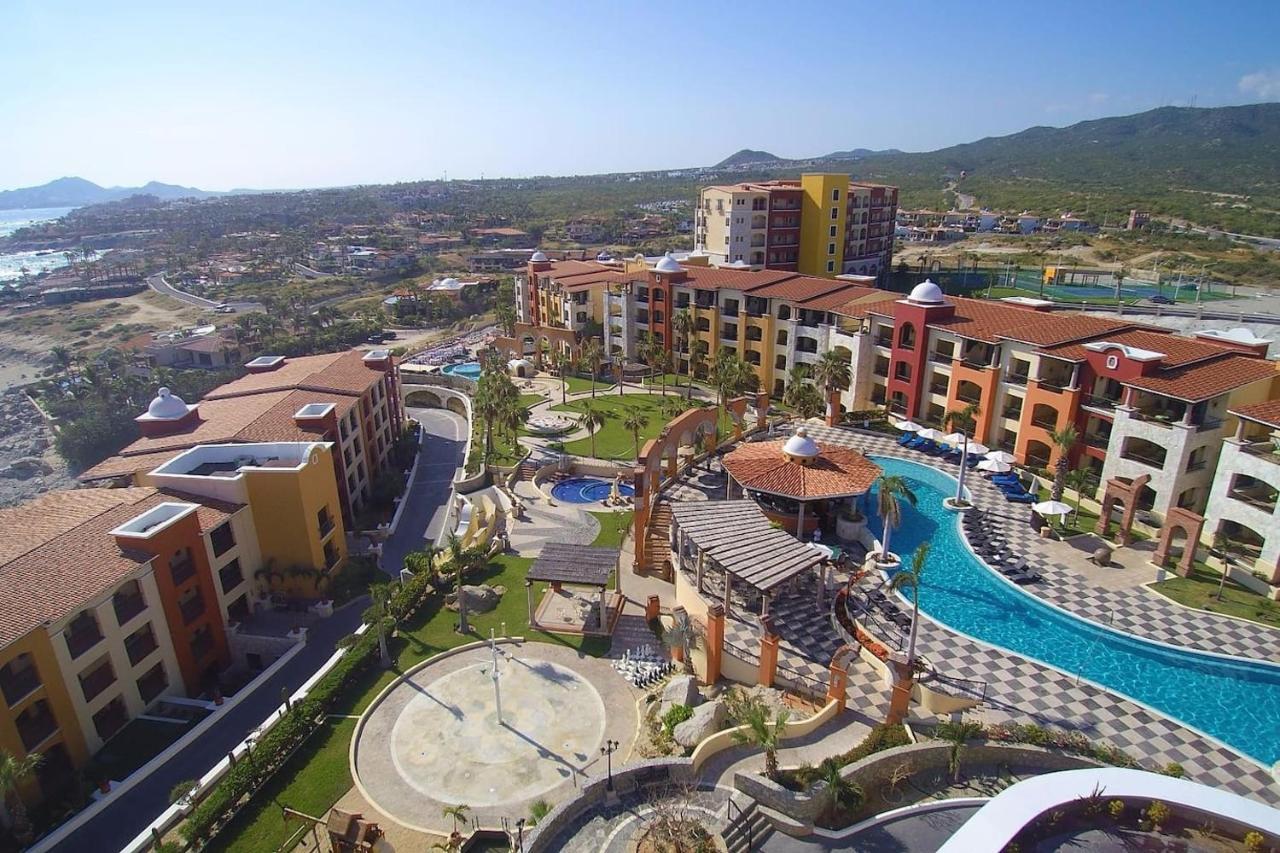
{"x":77,"y":192}
{"x":749,"y":158}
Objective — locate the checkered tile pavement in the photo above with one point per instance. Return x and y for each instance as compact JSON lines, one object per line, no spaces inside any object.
{"x":1017,"y":688}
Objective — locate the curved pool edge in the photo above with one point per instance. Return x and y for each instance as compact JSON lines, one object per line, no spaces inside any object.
{"x":957,"y":519}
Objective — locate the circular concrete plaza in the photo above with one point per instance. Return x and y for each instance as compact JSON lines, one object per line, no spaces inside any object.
{"x":434,"y":737}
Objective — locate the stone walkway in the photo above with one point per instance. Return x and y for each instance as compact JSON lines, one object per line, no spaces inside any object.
{"x":833,"y":737}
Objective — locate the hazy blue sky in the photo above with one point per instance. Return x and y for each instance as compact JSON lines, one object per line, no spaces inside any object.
{"x":280,"y":94}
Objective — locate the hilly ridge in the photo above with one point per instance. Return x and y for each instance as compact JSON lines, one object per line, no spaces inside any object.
{"x":75,"y":192}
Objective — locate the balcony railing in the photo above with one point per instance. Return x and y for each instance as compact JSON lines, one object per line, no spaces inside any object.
{"x":128,"y":607}
{"x":975,"y":362}
{"x":97,"y":681}
{"x":938,"y":388}
{"x":1044,"y":423}
{"x":80,"y":642}
{"x":1017,"y":378}
{"x":1095,"y":439}
{"x":969,"y":397}
{"x":1145,"y":458}
{"x":35,"y":730}
{"x":1259,"y":501}
{"x":1011,"y":413}
{"x":1159,"y":418}
{"x":139,"y":647}
{"x":1266,"y":449}
{"x":1197,"y":465}
{"x":326,"y":526}
{"x":1209,"y":424}
{"x":941,"y":358}
{"x":192,"y":609}
{"x":19,"y":685}
{"x":1054,"y":383}
{"x":1099,"y":402}
{"x":884,"y":341}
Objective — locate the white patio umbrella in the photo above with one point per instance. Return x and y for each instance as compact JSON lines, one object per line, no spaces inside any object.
{"x":994,"y":466}
{"x":955,"y":439}
{"x":932,"y":434}
{"x":908,"y":426}
{"x":1048,"y":508}
{"x":977,"y":448}
{"x":1002,"y":456}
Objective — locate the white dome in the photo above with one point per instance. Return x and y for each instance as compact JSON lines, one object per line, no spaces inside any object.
{"x":449,"y":282}
{"x":539,"y":257}
{"x":800,"y":445}
{"x":667,"y":264}
{"x":167,"y":406}
{"x":926,"y":293}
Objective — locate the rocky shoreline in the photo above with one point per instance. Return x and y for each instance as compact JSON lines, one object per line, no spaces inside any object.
{"x":29,"y":465}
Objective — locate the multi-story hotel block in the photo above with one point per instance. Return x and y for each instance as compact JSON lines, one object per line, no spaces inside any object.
{"x":1142,"y":399}
{"x":351,"y":399}
{"x":821,"y":225}
{"x":1243,"y":502}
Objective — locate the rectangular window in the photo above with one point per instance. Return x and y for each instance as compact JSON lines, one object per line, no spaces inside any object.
{"x":835,"y":213}
{"x":831,"y":266}
{"x":230,"y":576}
{"x":153,"y":683}
{"x":831,"y":232}
{"x":835,"y":195}
{"x":222,"y":539}
{"x":831,"y":248}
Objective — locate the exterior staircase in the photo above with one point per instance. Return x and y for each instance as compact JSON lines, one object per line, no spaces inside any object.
{"x":658,"y":542}
{"x":526,"y":470}
{"x":746,"y":825}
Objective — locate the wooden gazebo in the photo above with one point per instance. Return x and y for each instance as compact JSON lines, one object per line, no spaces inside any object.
{"x":561,"y":564}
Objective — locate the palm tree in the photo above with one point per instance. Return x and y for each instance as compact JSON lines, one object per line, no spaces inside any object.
{"x":591,"y":419}
{"x":635,"y":421}
{"x":458,"y":813}
{"x":683,"y":635}
{"x":892,"y":489}
{"x":682,"y":326}
{"x":61,"y":359}
{"x":839,"y":793}
{"x":1064,"y":439}
{"x":964,"y":420}
{"x":662,"y":361}
{"x":910,"y":579}
{"x":564,"y":364}
{"x":697,"y":361}
{"x":13,"y":771}
{"x":754,"y":728}
{"x":833,"y":373}
{"x":458,"y":556}
{"x":648,"y":349}
{"x":593,"y":354}
{"x":1078,"y":479}
{"x":670,"y":407}
{"x":1224,"y":546}
{"x":731,"y":375}
{"x":800,"y":395}
{"x":958,"y":734}
{"x":381,"y":618}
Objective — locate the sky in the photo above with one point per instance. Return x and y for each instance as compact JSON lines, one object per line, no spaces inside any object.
{"x":278,"y":94}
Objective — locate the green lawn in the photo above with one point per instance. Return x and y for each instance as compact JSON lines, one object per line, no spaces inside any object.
{"x":135,"y":745}
{"x":581,"y":384}
{"x":319,"y":774}
{"x":613,"y":441}
{"x":1200,"y":590}
{"x":505,"y":452}
{"x":613,"y":528}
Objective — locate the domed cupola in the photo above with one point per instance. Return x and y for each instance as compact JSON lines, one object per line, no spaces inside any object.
{"x":800,"y":448}
{"x":926,"y":293}
{"x":668,"y":264}
{"x":167,"y":413}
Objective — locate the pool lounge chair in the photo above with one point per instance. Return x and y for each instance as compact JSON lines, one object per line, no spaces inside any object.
{"x":1024,"y":498}
{"x":906,"y":438}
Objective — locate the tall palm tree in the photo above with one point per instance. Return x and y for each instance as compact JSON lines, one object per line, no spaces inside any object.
{"x":13,"y":771}
{"x":833,"y":373}
{"x":682,"y":634}
{"x":838,"y":792}
{"x":635,"y":421}
{"x":662,"y":361}
{"x":593,"y":354}
{"x":697,"y":361}
{"x":670,"y":407}
{"x":1224,"y":546}
{"x":458,"y":813}
{"x":1064,"y":439}
{"x":379,"y":615}
{"x":591,"y":419}
{"x":963,"y":420}
{"x":458,"y":556}
{"x":648,"y":350}
{"x":910,"y":579}
{"x":755,"y":728}
{"x":893,"y":488}
{"x":957,"y":734}
{"x":564,"y":364}
{"x":730,"y":374}
{"x":682,"y":326}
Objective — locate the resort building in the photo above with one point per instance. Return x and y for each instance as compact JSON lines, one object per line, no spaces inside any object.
{"x":1143,"y":401}
{"x":821,"y":225}
{"x":350,"y":399}
{"x":1242,"y":504}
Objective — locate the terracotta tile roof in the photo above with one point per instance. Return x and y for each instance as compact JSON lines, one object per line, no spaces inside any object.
{"x":836,"y":472}
{"x":219,"y":420}
{"x":119,"y":466}
{"x":1178,"y":350}
{"x":208,"y":343}
{"x":46,"y":577}
{"x":1264,"y":413}
{"x":803,"y":287}
{"x":50,"y":515}
{"x":992,"y":322}
{"x":277,"y":423}
{"x":1047,"y":329}
{"x":716,"y":278}
{"x":1207,"y":379}
{"x":845,"y":295}
{"x":564,"y":269}
{"x":341,"y":371}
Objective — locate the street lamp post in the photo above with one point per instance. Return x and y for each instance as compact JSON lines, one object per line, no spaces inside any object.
{"x":520,"y":835}
{"x":607,"y":751}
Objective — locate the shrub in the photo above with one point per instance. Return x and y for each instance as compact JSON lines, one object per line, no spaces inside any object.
{"x":1157,"y":813}
{"x":880,"y":738}
{"x":1116,"y":808}
{"x":1173,"y":769}
{"x":675,"y":715}
{"x":538,"y":810}
{"x":1253,"y":841}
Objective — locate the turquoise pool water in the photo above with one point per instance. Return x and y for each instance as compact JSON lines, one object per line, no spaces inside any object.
{"x":586,"y":490}
{"x":468,"y":370}
{"x":1234,"y":700}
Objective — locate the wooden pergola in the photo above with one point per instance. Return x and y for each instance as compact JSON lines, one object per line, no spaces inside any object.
{"x":576,"y":565}
{"x":739,"y":539}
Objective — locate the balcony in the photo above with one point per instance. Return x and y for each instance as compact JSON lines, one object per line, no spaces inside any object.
{"x":1209,"y":424}
{"x":1158,"y":417}
{"x":1016,"y":378}
{"x":153,"y":683}
{"x":128,"y":607}
{"x":1097,"y":439}
{"x":36,"y":728}
{"x":1012,"y":413}
{"x":18,"y":684}
{"x":1266,"y":449}
{"x":1146,"y":457}
{"x":192,"y":609}
{"x":79,"y":642}
{"x":182,"y":571}
{"x":944,"y":358}
{"x":325,"y":525}
{"x":201,"y":644}
{"x":1044,"y":423}
{"x":1097,"y":401}
{"x":884,"y":340}
{"x":140,"y":645}
{"x":968,"y":395}
{"x":938,"y":388}
{"x":976,"y":362}
{"x":97,"y":681}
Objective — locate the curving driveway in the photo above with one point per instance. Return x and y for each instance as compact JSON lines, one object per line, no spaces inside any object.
{"x":444,"y":440}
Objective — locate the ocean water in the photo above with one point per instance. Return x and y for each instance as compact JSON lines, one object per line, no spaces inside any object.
{"x":12,"y":263}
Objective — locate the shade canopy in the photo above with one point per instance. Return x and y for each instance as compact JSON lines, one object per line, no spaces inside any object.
{"x":977,"y":448}
{"x":932,"y":434}
{"x":1051,"y":508}
{"x":908,"y":426}
{"x":801,"y":470}
{"x":1002,"y":456}
{"x":956,"y":438}
{"x":741,"y":539}
{"x":994,"y":466}
{"x":578,"y":564}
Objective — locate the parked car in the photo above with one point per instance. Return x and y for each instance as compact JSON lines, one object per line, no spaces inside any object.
{"x":1162,"y":300}
{"x":224,"y":309}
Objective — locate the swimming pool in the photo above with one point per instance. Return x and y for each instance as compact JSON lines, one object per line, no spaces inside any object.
{"x":587,"y":490}
{"x":467,"y":370}
{"x":1234,"y":700}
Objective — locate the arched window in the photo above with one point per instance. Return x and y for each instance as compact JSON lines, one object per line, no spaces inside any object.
{"x":907,"y":336}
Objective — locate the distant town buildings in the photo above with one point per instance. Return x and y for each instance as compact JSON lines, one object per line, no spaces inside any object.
{"x":820,"y":225}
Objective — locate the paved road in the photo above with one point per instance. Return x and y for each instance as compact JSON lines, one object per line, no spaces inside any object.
{"x":444,"y":439}
{"x":159,"y":285}
{"x":118,"y":824}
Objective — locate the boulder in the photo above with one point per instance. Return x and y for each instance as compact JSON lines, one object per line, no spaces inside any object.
{"x":1102,"y":555}
{"x":25,"y":468}
{"x":480,"y":599}
{"x":707,"y":719}
{"x":680,"y":690}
